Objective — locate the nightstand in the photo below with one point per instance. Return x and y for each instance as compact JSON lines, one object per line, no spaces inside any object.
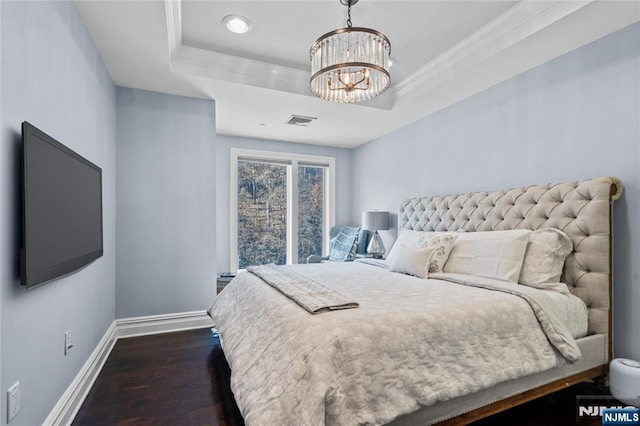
{"x":221,"y":282}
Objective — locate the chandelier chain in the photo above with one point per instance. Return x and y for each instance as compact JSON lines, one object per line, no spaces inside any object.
{"x":349,"y":15}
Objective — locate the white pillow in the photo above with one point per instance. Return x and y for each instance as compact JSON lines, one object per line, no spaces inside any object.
{"x":441,"y":243}
{"x":409,"y":238}
{"x":496,"y":254}
{"x":544,"y":258}
{"x":411,"y":260}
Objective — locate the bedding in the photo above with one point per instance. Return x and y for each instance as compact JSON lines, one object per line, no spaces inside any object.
{"x":544,"y":258}
{"x":441,"y":243}
{"x":399,"y":351}
{"x":412,"y":343}
{"x":302,"y":289}
{"x":496,"y":254}
{"x":571,"y":311}
{"x":407,"y":238}
{"x":412,"y":260}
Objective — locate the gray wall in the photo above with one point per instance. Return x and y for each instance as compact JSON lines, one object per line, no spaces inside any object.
{"x":2,"y":222}
{"x":166,"y":208}
{"x":53,"y":77}
{"x":223,"y":148}
{"x":575,"y":117}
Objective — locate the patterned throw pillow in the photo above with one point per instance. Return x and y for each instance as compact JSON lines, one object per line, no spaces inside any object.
{"x":441,"y":245}
{"x":344,"y":246}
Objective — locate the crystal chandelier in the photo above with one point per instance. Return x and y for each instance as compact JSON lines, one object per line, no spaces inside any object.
{"x":350,"y":64}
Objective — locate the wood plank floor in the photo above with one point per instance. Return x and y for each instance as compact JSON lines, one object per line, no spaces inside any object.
{"x":165,"y":379}
{"x":183,"y":379}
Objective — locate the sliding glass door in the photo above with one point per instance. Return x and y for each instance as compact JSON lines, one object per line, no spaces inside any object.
{"x":281,"y":207}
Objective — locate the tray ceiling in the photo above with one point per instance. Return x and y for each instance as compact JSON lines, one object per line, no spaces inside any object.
{"x":446,"y":51}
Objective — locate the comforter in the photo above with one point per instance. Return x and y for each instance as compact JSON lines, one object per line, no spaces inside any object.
{"x":410,"y":344}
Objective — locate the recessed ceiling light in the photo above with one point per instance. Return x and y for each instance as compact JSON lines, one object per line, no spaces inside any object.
{"x":392,"y":61}
{"x":237,"y":24}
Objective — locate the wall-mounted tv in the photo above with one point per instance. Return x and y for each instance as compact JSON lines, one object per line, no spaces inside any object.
{"x":61,"y":210}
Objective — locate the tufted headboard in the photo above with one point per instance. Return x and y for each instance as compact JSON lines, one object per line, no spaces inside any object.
{"x":581,"y":209}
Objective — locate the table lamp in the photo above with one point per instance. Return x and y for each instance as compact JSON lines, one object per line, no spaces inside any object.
{"x":375,"y":221}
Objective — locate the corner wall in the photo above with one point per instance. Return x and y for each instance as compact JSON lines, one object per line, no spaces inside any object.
{"x":224,"y":144}
{"x":2,"y":257}
{"x":53,"y":77}
{"x":166,"y":203}
{"x":573,"y":118}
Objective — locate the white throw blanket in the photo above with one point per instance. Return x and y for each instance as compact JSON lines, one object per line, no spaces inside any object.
{"x":305,"y":291}
{"x":411,"y":343}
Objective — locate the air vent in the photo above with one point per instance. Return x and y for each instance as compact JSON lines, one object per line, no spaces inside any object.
{"x":300,"y":120}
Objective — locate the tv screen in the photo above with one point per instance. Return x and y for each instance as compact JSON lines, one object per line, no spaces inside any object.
{"x":62,"y":209}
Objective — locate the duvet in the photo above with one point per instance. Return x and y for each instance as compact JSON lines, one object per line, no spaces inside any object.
{"x":410,"y":343}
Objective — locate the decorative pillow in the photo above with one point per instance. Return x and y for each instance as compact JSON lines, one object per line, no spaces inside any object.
{"x":408,"y":238}
{"x":411,"y":260}
{"x":544,"y":258}
{"x":344,"y":246}
{"x":496,"y":254}
{"x":442,"y":243}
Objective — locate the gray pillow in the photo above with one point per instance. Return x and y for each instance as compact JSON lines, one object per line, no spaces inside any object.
{"x":344,"y":246}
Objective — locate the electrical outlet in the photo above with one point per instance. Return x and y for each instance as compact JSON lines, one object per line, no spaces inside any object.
{"x":13,"y":401}
{"x":67,"y":342}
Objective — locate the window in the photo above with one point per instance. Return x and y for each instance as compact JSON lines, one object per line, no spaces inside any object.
{"x":281,"y":207}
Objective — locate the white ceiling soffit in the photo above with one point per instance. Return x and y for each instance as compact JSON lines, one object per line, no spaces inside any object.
{"x":514,"y":25}
{"x":446,"y":50}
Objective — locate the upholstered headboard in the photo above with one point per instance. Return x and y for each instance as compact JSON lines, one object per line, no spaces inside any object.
{"x":581,"y":209}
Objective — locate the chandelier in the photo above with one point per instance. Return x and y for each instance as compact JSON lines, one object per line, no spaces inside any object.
{"x":350,"y":64}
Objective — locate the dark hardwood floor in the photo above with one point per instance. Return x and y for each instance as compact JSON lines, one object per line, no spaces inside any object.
{"x":183,"y":379}
{"x":165,"y":379}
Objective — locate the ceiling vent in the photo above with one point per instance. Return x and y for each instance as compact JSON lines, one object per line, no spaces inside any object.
{"x":300,"y":120}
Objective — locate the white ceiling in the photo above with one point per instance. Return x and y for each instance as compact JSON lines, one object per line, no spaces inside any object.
{"x":446,"y":51}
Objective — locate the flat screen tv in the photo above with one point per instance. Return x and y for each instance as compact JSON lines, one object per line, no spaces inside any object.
{"x":61,"y":211}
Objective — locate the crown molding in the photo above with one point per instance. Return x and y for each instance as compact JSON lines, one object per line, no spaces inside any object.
{"x":514,"y":25}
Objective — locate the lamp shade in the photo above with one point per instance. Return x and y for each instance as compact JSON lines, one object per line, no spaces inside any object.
{"x":375,"y":221}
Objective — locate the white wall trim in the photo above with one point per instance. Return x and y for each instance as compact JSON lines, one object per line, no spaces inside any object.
{"x":155,"y":324}
{"x":71,"y":400}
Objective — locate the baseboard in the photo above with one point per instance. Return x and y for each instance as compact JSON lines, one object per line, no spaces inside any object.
{"x":68,"y":405}
{"x":155,"y":324}
{"x":71,"y":400}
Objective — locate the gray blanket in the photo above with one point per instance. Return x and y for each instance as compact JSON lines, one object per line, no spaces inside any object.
{"x":305,"y":291}
{"x":410,"y":344}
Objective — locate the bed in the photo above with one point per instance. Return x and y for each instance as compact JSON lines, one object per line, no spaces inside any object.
{"x":452,"y":348}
